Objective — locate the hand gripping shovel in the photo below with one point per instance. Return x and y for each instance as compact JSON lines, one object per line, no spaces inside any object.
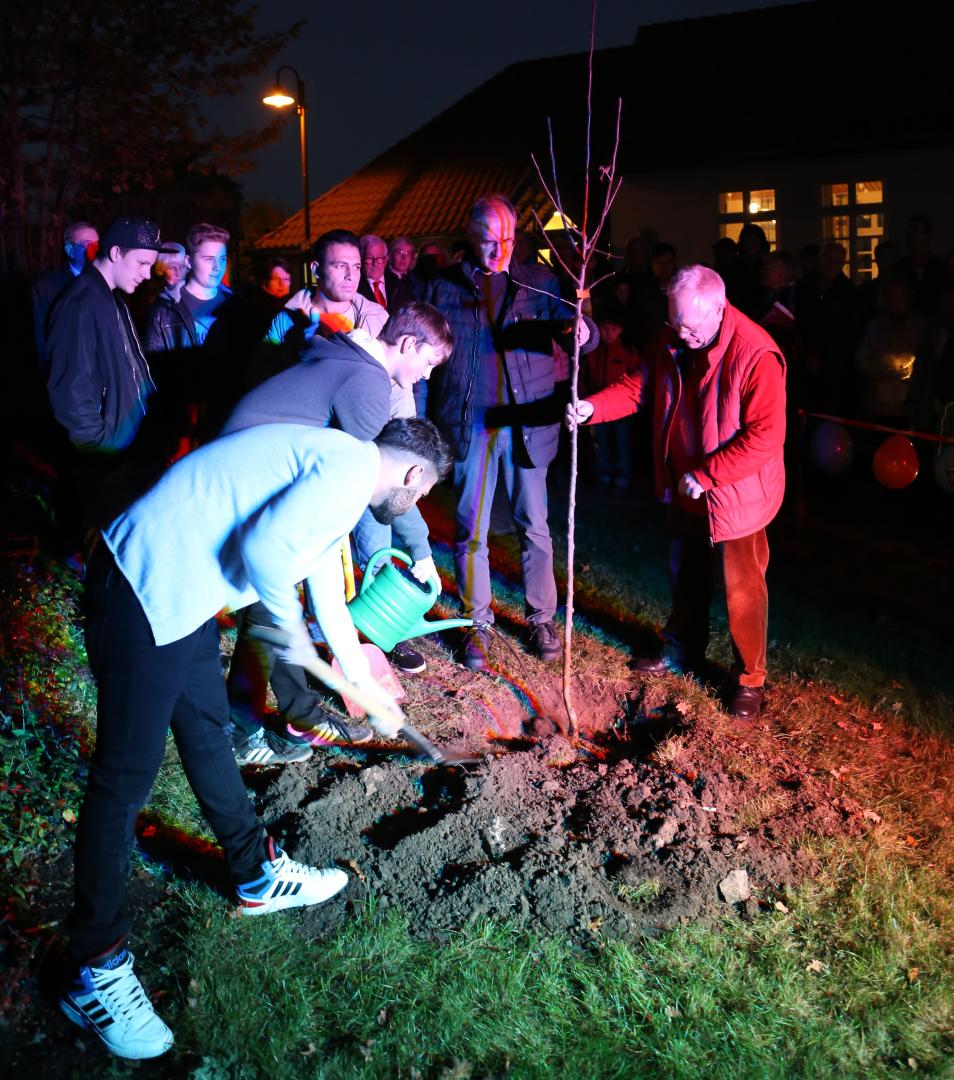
{"x":272,"y":635}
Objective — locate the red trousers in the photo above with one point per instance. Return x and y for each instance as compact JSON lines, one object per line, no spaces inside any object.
{"x":692,"y":566}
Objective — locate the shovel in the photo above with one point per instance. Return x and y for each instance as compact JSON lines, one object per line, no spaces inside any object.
{"x":336,"y":681}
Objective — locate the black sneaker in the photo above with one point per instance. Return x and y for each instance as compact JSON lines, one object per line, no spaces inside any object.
{"x":544,"y":641}
{"x":325,"y":729}
{"x":474,"y":650}
{"x":406,"y":659}
{"x":267,"y":748}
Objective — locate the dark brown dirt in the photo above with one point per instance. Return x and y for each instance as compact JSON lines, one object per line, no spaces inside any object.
{"x":632,"y":828}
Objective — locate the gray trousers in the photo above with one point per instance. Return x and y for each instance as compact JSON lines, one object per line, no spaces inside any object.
{"x":475,"y":479}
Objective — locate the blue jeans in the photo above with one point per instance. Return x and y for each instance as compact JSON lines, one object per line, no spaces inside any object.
{"x":475,"y":479}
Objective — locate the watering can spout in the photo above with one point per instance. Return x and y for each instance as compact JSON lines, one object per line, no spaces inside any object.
{"x":390,"y":608}
{"x":426,"y":626}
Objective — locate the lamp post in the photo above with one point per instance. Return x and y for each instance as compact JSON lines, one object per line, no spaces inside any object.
{"x":278,"y":99}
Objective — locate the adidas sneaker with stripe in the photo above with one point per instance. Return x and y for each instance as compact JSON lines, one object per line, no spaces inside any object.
{"x":286,"y":884}
{"x":109,"y":1000}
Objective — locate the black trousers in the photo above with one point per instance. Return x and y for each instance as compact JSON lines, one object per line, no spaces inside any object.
{"x":142,"y":690}
{"x":254,"y":665}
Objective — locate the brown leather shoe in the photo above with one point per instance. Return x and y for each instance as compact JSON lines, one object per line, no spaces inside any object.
{"x":659,"y":665}
{"x":747,"y":702}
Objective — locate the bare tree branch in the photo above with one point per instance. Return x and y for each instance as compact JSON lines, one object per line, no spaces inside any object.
{"x":585,"y":250}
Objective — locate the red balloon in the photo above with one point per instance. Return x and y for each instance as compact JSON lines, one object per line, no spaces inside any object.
{"x":895,"y":462}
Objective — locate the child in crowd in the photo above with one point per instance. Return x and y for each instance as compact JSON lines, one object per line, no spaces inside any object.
{"x":608,"y":363}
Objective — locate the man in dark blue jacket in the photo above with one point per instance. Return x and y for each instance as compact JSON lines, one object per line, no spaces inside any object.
{"x":495,"y":404}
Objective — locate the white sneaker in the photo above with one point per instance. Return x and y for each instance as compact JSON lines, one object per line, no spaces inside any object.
{"x":110,"y":1001}
{"x":286,"y":884}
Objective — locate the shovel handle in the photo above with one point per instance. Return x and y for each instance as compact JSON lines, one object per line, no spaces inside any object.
{"x":425,"y":746}
{"x":327,"y":674}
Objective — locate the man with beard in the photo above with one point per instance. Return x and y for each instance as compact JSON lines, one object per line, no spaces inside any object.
{"x":243,"y":518}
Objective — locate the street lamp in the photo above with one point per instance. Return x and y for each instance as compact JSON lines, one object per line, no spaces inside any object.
{"x":278,"y":99}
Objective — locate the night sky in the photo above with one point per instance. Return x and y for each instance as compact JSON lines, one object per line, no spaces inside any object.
{"x":376,"y":71}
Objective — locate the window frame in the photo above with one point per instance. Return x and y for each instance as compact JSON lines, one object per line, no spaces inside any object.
{"x":746,"y":216}
{"x":852,"y":210}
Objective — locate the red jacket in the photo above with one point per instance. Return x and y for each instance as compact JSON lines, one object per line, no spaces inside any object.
{"x":741,"y":422}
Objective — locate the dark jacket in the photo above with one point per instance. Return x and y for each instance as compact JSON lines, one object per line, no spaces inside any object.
{"x":397,"y":291}
{"x":530,"y":319}
{"x":45,"y":291}
{"x":99,"y":380}
{"x":201,"y":379}
{"x":169,"y":326}
{"x":740,"y":422}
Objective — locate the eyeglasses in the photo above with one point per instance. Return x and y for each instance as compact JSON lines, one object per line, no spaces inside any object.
{"x":680,"y":329}
{"x":376,"y":258}
{"x":402,"y":251}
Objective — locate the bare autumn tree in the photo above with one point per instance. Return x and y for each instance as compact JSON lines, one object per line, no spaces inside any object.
{"x":577,"y":263}
{"x":102,"y":98}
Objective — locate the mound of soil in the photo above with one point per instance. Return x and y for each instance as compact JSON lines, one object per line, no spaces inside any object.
{"x":668,"y":812}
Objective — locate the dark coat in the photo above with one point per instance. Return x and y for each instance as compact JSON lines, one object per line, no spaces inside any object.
{"x":99,"y":380}
{"x":398,"y":291}
{"x":529,"y":321}
{"x":169,"y":326}
{"x":46,"y":289}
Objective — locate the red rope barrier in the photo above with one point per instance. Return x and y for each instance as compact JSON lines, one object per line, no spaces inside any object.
{"x":867,"y":426}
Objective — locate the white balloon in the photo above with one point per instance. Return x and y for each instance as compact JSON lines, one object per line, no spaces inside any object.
{"x":944,"y":468}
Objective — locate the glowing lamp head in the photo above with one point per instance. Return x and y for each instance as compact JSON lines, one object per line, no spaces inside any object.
{"x":278,"y":99}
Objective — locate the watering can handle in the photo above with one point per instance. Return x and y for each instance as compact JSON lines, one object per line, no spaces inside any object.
{"x":401,"y":556}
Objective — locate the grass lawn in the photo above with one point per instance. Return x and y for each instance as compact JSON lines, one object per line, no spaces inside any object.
{"x":850,"y":976}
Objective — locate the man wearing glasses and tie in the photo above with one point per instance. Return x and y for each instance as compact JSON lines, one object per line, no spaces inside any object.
{"x":378,"y":281}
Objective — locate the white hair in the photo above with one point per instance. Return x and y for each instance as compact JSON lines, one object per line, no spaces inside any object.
{"x":367,"y":240}
{"x":699,"y":284}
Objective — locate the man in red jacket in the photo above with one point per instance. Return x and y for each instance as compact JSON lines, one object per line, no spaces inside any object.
{"x":716,"y":384}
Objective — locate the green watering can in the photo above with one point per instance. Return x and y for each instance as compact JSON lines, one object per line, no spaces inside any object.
{"x":390,"y":608}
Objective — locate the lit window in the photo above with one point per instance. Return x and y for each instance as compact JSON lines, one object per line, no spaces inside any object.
{"x":732,"y":202}
{"x":835,"y":195}
{"x":761,"y":202}
{"x":732,"y":229}
{"x":853,"y":214}
{"x":871,"y":191}
{"x":755,"y":206}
